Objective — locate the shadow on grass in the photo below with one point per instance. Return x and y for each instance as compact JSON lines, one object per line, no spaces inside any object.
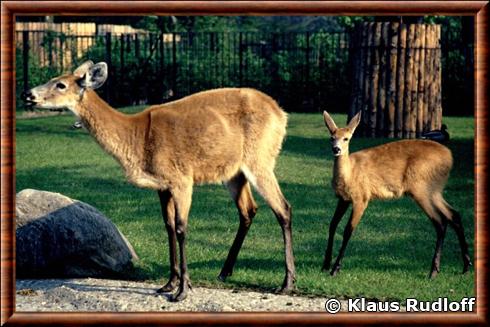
{"x":304,"y":146}
{"x":73,"y":178}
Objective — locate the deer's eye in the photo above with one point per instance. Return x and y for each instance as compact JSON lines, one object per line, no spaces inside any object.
{"x":346,"y":139}
{"x":332,"y":139}
{"x":60,"y":86}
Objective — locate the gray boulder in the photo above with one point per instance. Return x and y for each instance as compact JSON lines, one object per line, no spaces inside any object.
{"x":60,"y":237}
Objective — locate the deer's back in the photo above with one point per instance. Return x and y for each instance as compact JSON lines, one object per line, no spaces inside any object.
{"x":232,"y":103}
{"x":209,"y":135}
{"x":394,"y":169}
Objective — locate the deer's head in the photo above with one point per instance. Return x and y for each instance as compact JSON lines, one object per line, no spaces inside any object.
{"x":340,"y":137}
{"x":66,"y":91}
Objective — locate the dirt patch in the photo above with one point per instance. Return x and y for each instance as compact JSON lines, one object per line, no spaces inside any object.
{"x":114,"y":295}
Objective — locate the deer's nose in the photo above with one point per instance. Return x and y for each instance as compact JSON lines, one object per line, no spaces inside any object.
{"x":335,"y":150}
{"x":27,"y":95}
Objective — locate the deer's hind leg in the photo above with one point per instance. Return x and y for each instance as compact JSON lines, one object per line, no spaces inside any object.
{"x":454,"y":219}
{"x":266,"y":184}
{"x":440,"y":224}
{"x":242,"y":195}
{"x":168,"y":214}
{"x":182,"y":198}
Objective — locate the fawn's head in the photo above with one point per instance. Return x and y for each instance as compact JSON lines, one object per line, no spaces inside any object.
{"x":67,"y":90}
{"x":340,"y":137}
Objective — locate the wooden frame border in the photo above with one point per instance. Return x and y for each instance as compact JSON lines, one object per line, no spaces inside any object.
{"x":9,"y":9}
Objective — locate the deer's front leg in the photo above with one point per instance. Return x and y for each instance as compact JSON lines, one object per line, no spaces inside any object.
{"x":168,"y":214}
{"x":342,"y":206}
{"x":357,"y":211}
{"x":182,"y":196}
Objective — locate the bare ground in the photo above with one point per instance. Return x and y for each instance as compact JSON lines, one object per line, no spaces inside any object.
{"x":91,"y":294}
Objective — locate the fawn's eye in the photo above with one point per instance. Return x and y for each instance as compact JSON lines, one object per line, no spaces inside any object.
{"x":60,"y":86}
{"x":346,"y":139}
{"x":332,"y":138}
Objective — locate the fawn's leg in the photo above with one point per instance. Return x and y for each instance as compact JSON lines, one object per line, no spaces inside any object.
{"x":427,"y":204}
{"x":358,"y":208}
{"x":342,"y":206}
{"x":454,"y":219}
{"x":457,"y":225}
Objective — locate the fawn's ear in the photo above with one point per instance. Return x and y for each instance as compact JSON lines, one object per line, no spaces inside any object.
{"x":354,"y":122}
{"x":95,"y":76}
{"x":332,"y":127}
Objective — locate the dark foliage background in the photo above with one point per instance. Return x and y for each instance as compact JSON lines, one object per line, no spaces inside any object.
{"x":303,"y":62}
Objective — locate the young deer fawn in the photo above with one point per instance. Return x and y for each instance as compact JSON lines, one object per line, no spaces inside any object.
{"x":225,"y":135}
{"x":417,"y":168}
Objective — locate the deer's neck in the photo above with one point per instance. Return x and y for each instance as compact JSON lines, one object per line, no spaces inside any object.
{"x":342,"y":174}
{"x":112,"y":129}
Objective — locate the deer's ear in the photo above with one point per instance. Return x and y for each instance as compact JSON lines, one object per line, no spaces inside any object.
{"x":332,"y":127}
{"x":83,"y":68}
{"x":95,"y":76}
{"x":354,"y":122}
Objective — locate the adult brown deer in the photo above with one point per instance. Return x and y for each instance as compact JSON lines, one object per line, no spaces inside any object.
{"x":417,"y":168}
{"x":224,"y":135}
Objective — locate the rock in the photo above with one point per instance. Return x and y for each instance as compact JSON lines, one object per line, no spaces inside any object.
{"x":60,"y":237}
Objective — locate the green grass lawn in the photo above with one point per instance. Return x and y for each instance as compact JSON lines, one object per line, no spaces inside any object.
{"x":388,"y":257}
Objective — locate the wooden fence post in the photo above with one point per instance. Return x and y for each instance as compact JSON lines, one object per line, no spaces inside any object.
{"x":367,"y":75}
{"x":382,"y":86}
{"x":397,"y":79}
{"x":408,"y":82}
{"x":421,"y":86}
{"x":392,"y":52}
{"x":400,"y":80}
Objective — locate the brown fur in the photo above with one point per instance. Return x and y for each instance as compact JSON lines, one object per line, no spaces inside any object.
{"x":392,"y":170}
{"x":226,"y":135}
{"x":417,"y":168}
{"x":207,"y":137}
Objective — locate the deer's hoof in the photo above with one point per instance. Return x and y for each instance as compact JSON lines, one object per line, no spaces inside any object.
{"x":466,"y":266}
{"x":285,"y":290}
{"x":166,"y":288}
{"x":223,"y":275}
{"x":433,"y":274}
{"x":169,"y":287}
{"x":335,"y":271}
{"x":287,"y":287}
{"x":179,"y":296}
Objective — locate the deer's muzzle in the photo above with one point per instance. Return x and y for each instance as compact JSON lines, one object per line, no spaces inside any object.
{"x":29,"y":98}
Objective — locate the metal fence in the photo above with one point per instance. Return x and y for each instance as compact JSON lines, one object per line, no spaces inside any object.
{"x":304,"y":71}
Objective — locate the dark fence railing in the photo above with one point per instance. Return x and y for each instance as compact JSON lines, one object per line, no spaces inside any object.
{"x":304,"y":72}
